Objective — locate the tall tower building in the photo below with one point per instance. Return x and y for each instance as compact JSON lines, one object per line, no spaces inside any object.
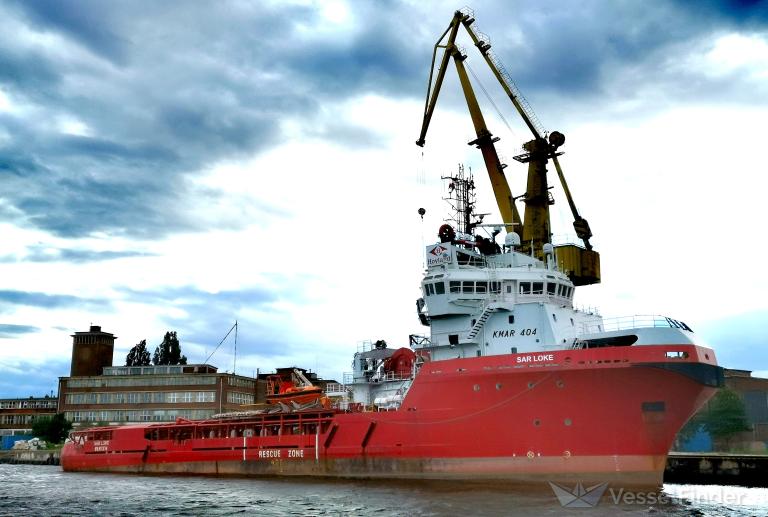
{"x":91,"y":351}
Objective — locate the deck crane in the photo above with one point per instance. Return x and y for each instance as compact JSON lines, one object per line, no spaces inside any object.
{"x":581,"y":263}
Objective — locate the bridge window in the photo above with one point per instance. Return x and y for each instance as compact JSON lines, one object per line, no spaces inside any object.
{"x":468,"y":287}
{"x":428,"y":289}
{"x":495,"y":287}
{"x":525,"y":288}
{"x":439,"y":288}
{"x":538,"y":288}
{"x":455,"y":287}
{"x":551,"y":288}
{"x":481,"y":287}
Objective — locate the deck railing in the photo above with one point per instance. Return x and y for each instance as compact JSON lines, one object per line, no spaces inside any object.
{"x":634,"y":322}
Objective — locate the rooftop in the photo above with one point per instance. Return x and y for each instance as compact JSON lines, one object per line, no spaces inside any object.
{"x":160,"y":370}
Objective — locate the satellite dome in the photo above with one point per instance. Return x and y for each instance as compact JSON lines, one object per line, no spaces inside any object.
{"x":512,"y":239}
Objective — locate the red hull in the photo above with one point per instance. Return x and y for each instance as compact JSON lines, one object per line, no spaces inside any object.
{"x":599,"y":415}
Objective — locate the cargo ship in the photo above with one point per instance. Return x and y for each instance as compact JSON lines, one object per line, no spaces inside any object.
{"x":513,"y":382}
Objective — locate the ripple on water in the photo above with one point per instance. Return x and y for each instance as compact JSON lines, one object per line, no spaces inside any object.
{"x":43,"y":490}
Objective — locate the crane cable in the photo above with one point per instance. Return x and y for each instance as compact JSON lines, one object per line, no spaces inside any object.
{"x":487,"y":96}
{"x":220,"y":342}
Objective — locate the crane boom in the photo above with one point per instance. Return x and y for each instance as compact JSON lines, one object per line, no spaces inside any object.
{"x":485,"y":140}
{"x":522,"y":106}
{"x":583,"y":264}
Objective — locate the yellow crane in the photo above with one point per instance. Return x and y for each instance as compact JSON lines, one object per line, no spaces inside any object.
{"x":581,"y":263}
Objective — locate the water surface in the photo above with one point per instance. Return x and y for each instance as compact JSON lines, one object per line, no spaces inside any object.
{"x":46,"y":490}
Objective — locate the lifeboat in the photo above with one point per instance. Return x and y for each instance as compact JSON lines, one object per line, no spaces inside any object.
{"x":290,"y":385}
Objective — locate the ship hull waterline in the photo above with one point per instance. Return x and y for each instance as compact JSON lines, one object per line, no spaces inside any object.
{"x":589,"y":416}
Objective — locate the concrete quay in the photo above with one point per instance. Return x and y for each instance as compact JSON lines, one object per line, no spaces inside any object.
{"x":717,"y":469}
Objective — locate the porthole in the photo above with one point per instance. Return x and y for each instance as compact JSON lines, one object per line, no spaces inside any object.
{"x":498,"y":386}
{"x":476,"y":387}
{"x":567,"y":421}
{"x":536,"y":422}
{"x":531,"y":385}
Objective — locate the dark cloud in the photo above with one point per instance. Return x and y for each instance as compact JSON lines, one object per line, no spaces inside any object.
{"x":86,"y":21}
{"x":76,"y":256}
{"x":209,"y":316}
{"x":37,"y":379}
{"x":49,"y":301}
{"x":750,"y":13}
{"x":165,"y":90}
{"x":567,"y":48}
{"x":11,"y":331}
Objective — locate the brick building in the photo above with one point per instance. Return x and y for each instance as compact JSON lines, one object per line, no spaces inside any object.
{"x":152,"y":394}
{"x":17,"y":414}
{"x":97,"y":392}
{"x":753,"y":391}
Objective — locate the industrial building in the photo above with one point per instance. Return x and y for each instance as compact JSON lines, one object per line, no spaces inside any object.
{"x":98,"y":393}
{"x":18,"y":414}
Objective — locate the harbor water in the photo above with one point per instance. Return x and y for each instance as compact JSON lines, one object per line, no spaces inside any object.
{"x":46,"y":490}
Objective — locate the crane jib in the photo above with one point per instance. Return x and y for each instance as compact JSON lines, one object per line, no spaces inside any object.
{"x":536,"y":229}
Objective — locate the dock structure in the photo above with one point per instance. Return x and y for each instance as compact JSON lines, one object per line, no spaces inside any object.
{"x":717,"y":469}
{"x":25,"y":457}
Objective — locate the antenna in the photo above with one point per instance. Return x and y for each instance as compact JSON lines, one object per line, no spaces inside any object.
{"x":234,"y":363}
{"x":461,"y":197}
{"x":220,"y":342}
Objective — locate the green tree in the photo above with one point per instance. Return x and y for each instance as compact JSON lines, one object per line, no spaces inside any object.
{"x":52,"y":429}
{"x":169,"y":351}
{"x":688,"y":431}
{"x":725,"y":416}
{"x":138,"y":355}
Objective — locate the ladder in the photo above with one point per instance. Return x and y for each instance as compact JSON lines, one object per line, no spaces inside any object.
{"x":490,"y":308}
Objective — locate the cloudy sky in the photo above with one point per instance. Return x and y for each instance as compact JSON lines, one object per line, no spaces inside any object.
{"x":182,"y":165}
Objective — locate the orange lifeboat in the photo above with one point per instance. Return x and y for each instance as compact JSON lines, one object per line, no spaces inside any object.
{"x":291,"y":386}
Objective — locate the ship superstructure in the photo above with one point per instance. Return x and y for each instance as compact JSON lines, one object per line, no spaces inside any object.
{"x":512,"y":384}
